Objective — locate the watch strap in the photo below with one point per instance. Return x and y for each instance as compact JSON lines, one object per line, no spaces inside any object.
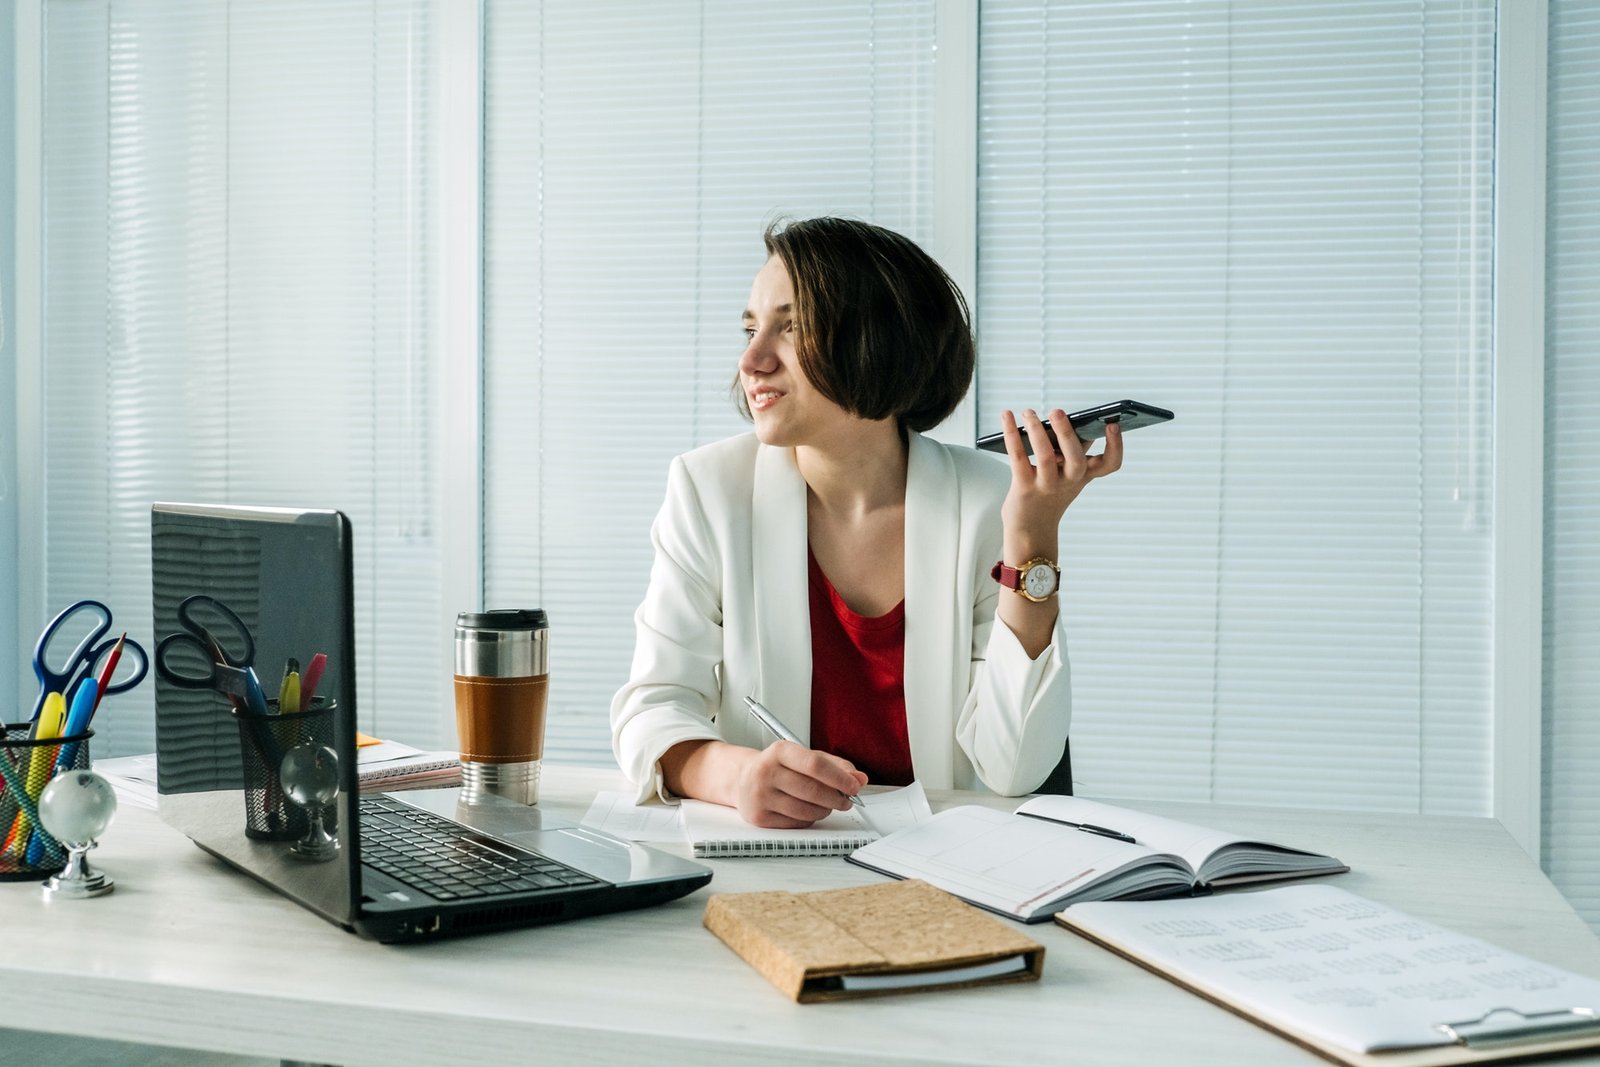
{"x":1008,"y":576}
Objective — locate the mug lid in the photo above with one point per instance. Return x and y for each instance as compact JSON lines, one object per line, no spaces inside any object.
{"x":504,"y":619}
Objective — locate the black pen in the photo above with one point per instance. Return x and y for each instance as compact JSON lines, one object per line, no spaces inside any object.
{"x":1103,"y":831}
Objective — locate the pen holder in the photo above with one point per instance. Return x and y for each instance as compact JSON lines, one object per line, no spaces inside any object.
{"x":264,"y":740}
{"x":27,"y":851}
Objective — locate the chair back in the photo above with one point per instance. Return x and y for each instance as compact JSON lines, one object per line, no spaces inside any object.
{"x":1059,"y":781}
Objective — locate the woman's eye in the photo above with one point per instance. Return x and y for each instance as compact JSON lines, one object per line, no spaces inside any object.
{"x":749,"y":334}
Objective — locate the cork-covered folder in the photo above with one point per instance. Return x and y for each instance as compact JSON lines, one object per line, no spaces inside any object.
{"x":870,"y":940}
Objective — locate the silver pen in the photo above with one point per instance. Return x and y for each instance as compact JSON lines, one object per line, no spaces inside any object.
{"x":782,"y":732}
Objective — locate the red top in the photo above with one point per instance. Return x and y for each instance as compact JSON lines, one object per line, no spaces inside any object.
{"x":858,"y":696}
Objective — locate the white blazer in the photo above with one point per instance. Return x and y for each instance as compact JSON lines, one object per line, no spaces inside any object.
{"x":727,"y":615}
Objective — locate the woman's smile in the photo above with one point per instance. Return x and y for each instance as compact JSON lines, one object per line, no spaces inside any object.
{"x":763,"y":397}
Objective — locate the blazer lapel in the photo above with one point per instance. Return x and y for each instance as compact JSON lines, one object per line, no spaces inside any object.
{"x":932,"y":665}
{"x":782,"y":602}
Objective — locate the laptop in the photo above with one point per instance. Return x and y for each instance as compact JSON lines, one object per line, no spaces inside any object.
{"x":236,"y":593}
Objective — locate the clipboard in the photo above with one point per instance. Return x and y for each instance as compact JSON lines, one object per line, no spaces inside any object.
{"x":1251,"y":953}
{"x":1508,"y":1035}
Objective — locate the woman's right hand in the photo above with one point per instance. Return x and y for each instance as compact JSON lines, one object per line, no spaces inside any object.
{"x":783,"y":786}
{"x":788,"y":786}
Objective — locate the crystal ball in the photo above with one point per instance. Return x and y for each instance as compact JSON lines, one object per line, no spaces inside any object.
{"x":77,"y":806}
{"x":310,"y":774}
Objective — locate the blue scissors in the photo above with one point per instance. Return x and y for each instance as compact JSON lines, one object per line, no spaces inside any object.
{"x":216,"y":652}
{"x":85,"y":658}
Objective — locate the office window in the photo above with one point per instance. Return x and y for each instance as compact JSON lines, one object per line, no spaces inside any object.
{"x":237,"y":286}
{"x":633,"y":153}
{"x":1572,"y":458}
{"x":1273,"y":218}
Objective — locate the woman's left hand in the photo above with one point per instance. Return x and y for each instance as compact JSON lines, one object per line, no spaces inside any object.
{"x":1031,"y":513}
{"x":1041,"y":492}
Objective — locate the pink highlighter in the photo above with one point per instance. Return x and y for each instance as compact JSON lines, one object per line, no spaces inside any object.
{"x":309,"y":680}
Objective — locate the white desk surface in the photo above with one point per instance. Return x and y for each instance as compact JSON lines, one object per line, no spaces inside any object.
{"x":187,"y":952}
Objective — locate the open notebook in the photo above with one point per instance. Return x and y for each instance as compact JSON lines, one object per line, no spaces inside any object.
{"x":717,"y":831}
{"x":1059,"y":850}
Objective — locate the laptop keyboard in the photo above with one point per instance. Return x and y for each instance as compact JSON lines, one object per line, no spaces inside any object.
{"x":449,"y":861}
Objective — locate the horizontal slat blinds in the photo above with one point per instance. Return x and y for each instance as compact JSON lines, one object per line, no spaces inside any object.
{"x":1273,"y":218}
{"x":1572,"y":459}
{"x":634,"y":151}
{"x":236,"y":278}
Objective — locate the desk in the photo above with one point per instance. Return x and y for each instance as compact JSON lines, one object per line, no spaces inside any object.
{"x":187,"y":952}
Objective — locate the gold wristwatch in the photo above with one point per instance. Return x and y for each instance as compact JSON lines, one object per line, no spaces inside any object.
{"x":1037,"y":580}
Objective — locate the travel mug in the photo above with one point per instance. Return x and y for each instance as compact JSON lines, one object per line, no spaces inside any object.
{"x":502,"y":682}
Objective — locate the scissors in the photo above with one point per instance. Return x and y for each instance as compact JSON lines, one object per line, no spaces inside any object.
{"x":84,"y":658}
{"x":219,"y":655}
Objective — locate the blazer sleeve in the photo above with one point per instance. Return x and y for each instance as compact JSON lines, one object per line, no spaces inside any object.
{"x":1013,"y":725}
{"x":673,"y":689}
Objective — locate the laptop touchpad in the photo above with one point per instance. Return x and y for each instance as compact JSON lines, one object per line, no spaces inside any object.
{"x":551,"y":835}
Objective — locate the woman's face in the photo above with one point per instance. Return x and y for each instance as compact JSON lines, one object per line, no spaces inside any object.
{"x":786,"y":408}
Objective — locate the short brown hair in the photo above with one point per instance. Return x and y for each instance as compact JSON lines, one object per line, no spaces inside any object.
{"x":881,"y":330}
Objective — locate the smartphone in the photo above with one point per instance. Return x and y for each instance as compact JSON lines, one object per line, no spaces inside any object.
{"x":1090,"y":423}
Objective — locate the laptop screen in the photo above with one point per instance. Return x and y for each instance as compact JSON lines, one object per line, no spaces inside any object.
{"x":245,"y":599}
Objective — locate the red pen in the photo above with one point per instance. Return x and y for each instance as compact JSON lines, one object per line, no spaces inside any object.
{"x":309,"y":680}
{"x":106,"y":672}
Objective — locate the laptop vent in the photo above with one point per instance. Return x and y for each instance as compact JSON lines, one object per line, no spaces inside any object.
{"x":510,"y":915}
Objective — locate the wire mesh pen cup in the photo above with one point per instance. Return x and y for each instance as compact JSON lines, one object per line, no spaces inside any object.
{"x":264,"y":740}
{"x":27,"y":850}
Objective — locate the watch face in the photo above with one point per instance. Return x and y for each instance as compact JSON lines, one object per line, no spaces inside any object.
{"x":1040,"y":580}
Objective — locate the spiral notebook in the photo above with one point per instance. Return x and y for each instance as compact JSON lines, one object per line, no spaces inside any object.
{"x":389,"y":765}
{"x":719,"y":832}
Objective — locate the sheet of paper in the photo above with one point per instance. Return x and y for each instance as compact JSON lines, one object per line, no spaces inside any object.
{"x":896,"y":809}
{"x":617,"y":815}
{"x":382,"y":752}
{"x":1348,"y":970}
{"x":133,"y":777}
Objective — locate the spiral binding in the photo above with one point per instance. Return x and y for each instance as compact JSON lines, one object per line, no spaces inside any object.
{"x":732,"y":849}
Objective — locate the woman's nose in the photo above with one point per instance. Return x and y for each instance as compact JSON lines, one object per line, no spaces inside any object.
{"x":759,"y":357}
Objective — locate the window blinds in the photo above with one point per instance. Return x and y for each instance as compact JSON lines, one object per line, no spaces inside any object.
{"x":1571,"y":820}
{"x":633,"y":153}
{"x":1274,"y":218}
{"x":237,"y":257}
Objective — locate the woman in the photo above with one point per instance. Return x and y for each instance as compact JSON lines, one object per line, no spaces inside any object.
{"x":841,"y":568}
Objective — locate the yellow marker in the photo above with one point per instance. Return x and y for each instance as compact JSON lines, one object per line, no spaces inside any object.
{"x":51,"y":718}
{"x":289,"y":691}
{"x":39,"y":763}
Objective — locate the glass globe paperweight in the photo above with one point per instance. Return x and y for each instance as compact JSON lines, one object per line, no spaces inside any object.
{"x":309,"y":774}
{"x":76,"y":807}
